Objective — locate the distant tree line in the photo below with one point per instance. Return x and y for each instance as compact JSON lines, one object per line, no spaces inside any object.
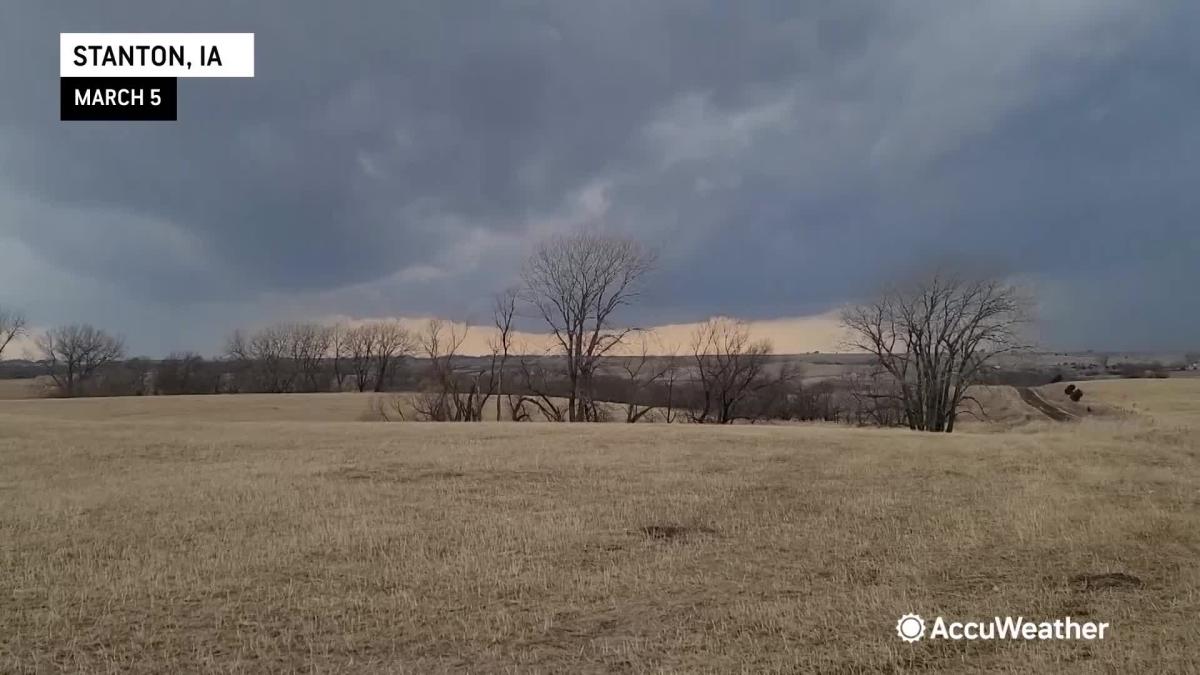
{"x":311,"y":357}
{"x":931,"y":341}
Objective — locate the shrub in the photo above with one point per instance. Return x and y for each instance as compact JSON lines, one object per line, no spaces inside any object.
{"x":1069,"y":390}
{"x":1076,"y":395}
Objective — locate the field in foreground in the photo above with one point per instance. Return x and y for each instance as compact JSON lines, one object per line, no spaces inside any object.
{"x":161,"y":544}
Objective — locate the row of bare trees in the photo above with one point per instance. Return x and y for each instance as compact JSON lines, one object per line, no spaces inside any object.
{"x":722,"y":380}
{"x":932,"y":340}
{"x":576,"y":285}
{"x":293,"y":356}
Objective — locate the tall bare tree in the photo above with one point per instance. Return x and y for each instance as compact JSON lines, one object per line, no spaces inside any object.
{"x":339,"y":351}
{"x":392,"y":342}
{"x":265,"y":356}
{"x":730,"y":367}
{"x":935,"y":336}
{"x":671,"y":377}
{"x":360,"y":350}
{"x":307,"y":346}
{"x":576,"y":283}
{"x":74,"y":353}
{"x":12,"y":326}
{"x":504,"y":312}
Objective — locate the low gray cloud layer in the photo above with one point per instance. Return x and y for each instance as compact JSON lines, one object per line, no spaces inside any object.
{"x":399,"y":158}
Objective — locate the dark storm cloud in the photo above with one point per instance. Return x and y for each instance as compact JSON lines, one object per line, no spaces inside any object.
{"x":399,"y":158}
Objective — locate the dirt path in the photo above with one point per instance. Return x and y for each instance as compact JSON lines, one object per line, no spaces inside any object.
{"x":1045,"y":407}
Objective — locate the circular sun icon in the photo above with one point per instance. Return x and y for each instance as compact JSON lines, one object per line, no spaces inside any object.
{"x":910,"y":627}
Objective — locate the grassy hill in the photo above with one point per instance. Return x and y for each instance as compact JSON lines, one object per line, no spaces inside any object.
{"x":150,"y":535}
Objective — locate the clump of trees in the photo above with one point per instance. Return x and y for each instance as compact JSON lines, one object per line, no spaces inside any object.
{"x":188,"y":373}
{"x":80,"y":359}
{"x":75,"y":354}
{"x":641,"y":374}
{"x":309,"y":357}
{"x":450,"y":394}
{"x":598,"y":368}
{"x":730,"y":370}
{"x":458,"y":389}
{"x":935,"y":337}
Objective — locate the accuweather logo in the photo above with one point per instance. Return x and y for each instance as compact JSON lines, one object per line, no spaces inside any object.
{"x":913,"y":628}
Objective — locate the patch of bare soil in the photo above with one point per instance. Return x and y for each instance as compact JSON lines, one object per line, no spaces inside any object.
{"x":391,"y":474}
{"x":670,"y":532}
{"x":1042,"y":405}
{"x":1099,"y":582}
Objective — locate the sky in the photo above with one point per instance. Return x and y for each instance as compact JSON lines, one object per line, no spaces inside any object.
{"x":783,"y":159}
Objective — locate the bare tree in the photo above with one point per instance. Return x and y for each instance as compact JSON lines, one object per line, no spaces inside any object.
{"x":282,"y":357}
{"x":74,"y":353}
{"x":452,"y":396}
{"x":360,"y":349}
{"x":504,"y":311}
{"x":12,"y":326}
{"x":339,"y":351}
{"x":643,"y":371}
{"x":186,"y":373}
{"x":669,"y":380}
{"x":392,"y":342}
{"x":270,"y":348}
{"x":729,"y":368}
{"x":935,"y":336}
{"x":576,"y":283}
{"x":237,"y":353}
{"x":307,"y":345}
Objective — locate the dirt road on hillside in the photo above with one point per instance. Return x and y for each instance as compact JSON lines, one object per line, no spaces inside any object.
{"x":1047,"y":408}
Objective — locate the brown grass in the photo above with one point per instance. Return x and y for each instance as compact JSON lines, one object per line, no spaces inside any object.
{"x":1171,"y":402}
{"x":33,"y":387}
{"x":341,"y":407}
{"x":162,"y":544}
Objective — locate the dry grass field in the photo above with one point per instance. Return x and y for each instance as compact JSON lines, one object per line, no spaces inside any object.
{"x":1171,"y":402}
{"x":150,"y":535}
{"x":34,"y":387}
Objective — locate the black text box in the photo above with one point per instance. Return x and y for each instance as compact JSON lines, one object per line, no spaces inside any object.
{"x":117,"y":98}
